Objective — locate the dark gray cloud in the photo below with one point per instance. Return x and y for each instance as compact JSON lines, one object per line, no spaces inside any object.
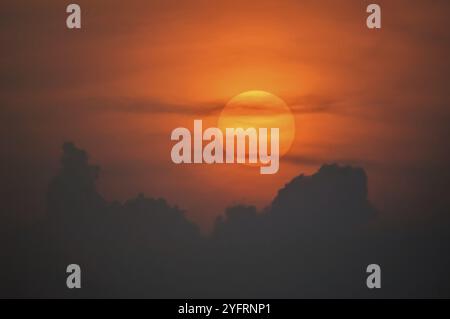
{"x":314,"y":240}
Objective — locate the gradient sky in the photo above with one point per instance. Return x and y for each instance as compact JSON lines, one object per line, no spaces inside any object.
{"x":138,"y":69}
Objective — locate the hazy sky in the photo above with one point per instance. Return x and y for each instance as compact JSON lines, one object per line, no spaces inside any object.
{"x":138,"y":69}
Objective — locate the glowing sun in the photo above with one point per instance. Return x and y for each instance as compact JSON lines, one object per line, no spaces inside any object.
{"x":260,"y":109}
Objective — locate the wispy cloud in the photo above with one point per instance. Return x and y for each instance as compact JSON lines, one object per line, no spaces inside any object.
{"x":298,"y":159}
{"x":308,"y":104}
{"x":151,"y":106}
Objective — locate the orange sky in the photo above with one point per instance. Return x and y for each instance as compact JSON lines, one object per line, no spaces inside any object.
{"x":139,"y":69}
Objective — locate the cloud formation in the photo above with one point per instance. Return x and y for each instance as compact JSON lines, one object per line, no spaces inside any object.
{"x":314,"y":240}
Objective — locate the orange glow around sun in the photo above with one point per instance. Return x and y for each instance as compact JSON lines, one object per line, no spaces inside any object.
{"x":337,"y":91}
{"x":260,"y":109}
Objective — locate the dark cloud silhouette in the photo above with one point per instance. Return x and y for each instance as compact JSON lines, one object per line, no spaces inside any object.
{"x":314,"y":240}
{"x":345,"y":191}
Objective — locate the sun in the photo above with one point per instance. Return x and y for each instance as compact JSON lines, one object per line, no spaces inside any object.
{"x":260,"y":109}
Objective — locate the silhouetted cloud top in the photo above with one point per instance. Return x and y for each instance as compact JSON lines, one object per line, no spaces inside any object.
{"x":334,"y":195}
{"x":73,"y":191}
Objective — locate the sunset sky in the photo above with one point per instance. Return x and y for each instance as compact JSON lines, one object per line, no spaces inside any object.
{"x":138,"y":69}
